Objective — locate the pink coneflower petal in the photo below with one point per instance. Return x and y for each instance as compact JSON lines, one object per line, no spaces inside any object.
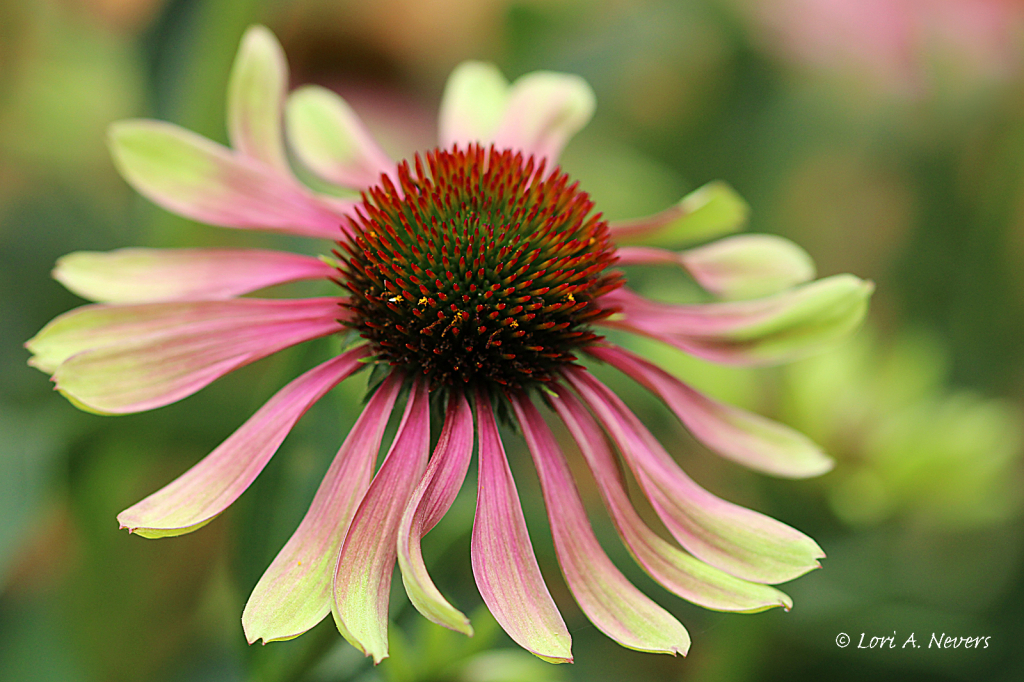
{"x":331,"y":141}
{"x":739,"y":541}
{"x":196,"y":497}
{"x":472,"y":105}
{"x":544,"y":110}
{"x":362,"y":578}
{"x":504,"y":564}
{"x":294,"y":593}
{"x":744,"y":266}
{"x":768,"y":330}
{"x":141,"y":275}
{"x":710,"y":211}
{"x":431,"y":500}
{"x":742,"y":436}
{"x":199,"y":179}
{"x":256,"y":90}
{"x":608,"y":599}
{"x":129,"y":358}
{"x":96,"y":326}
{"x":677,"y":571}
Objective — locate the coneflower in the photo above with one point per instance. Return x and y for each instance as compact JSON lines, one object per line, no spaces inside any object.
{"x":476,"y":274}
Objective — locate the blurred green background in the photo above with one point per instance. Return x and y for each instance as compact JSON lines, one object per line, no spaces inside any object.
{"x":885,"y":136}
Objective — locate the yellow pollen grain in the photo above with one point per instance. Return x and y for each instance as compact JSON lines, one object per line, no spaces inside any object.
{"x":424,"y":301}
{"x":395,"y":299}
{"x":514,"y":324}
{"x":570,"y":298}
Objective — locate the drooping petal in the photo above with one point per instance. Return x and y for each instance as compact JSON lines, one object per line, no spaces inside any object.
{"x":199,"y":179}
{"x":294,"y":593}
{"x":331,"y":141}
{"x":504,"y":564}
{"x":196,"y":497}
{"x":544,"y":110}
{"x":609,"y":600}
{"x":96,"y":326}
{"x":362,"y":578}
{"x":472,"y":105}
{"x":131,"y":358}
{"x":256,"y":90}
{"x":745,"y":266}
{"x":708,"y":212}
{"x":744,"y":437}
{"x":677,"y":571}
{"x":431,"y":500}
{"x":768,"y":330}
{"x":141,"y":275}
{"x":737,"y":540}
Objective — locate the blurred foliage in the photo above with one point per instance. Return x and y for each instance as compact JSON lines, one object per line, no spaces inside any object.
{"x":906,"y":445}
{"x":885,"y":136}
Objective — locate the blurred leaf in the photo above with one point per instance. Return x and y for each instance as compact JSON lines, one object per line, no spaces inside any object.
{"x":33,"y":443}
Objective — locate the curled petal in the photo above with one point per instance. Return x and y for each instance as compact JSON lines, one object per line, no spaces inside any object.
{"x":708,"y":212}
{"x":749,"y":265}
{"x":199,"y":179}
{"x":430,"y":501}
{"x":742,"y":436}
{"x":504,"y":564}
{"x":120,"y":359}
{"x":739,"y":541}
{"x":362,"y":577}
{"x":768,"y":330}
{"x":256,"y":90}
{"x":544,"y":109}
{"x":196,"y":497}
{"x":677,"y":571}
{"x":294,"y":593}
{"x":745,"y":266}
{"x":608,"y":599}
{"x":331,"y":141}
{"x":472,"y":105}
{"x":141,"y":275}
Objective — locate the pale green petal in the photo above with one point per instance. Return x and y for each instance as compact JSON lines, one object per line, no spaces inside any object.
{"x":612,"y":603}
{"x":199,"y":179}
{"x":544,"y":110}
{"x":708,"y":212}
{"x":816,"y":314}
{"x":749,"y":265}
{"x":129,"y":358}
{"x":432,"y":498}
{"x":742,"y":436}
{"x":294,"y":593}
{"x":472,"y":105}
{"x":203,"y":492}
{"x":362,"y":577}
{"x":777,"y":328}
{"x":739,"y":541}
{"x":141,"y":275}
{"x":331,"y":141}
{"x":256,"y":93}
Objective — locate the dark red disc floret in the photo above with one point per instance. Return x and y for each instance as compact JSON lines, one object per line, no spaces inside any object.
{"x":477,"y":267}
